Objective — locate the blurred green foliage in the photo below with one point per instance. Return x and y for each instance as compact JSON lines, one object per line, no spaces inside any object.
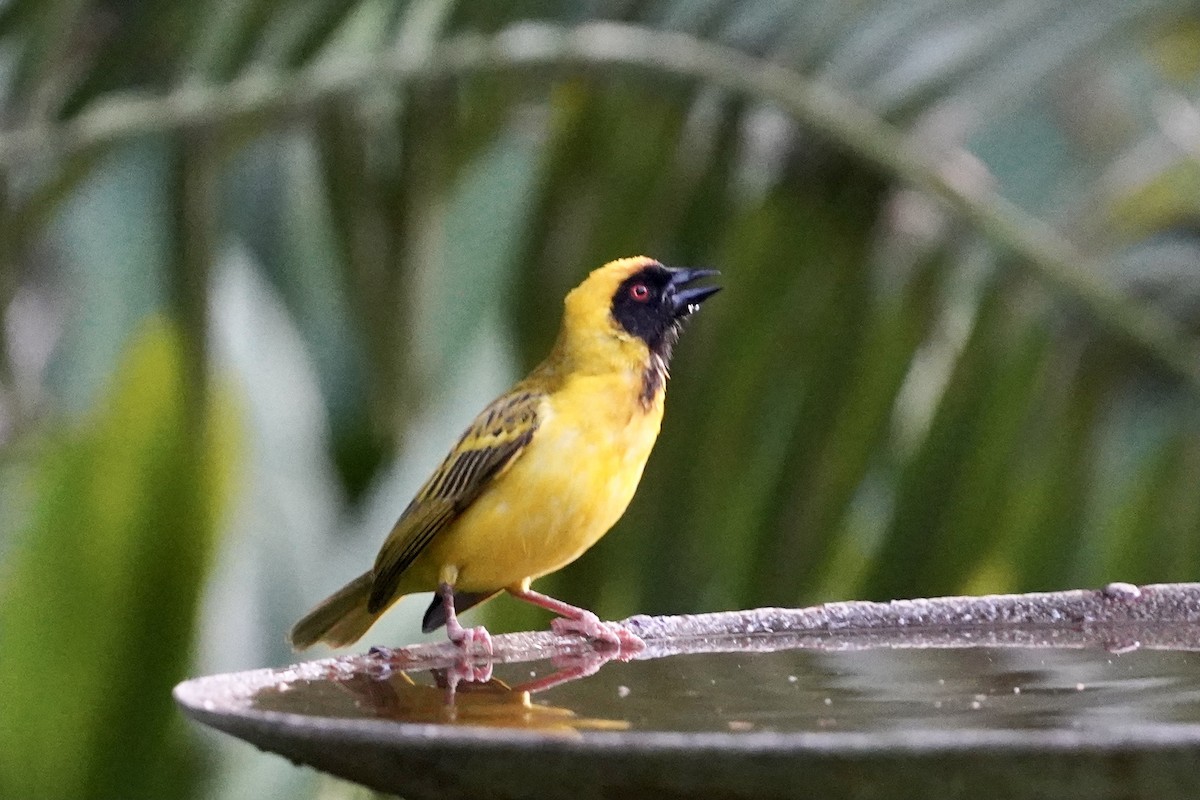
{"x":104,"y":582}
{"x":314,"y":288}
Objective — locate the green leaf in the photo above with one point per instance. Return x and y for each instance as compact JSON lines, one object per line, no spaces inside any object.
{"x":98,"y":597}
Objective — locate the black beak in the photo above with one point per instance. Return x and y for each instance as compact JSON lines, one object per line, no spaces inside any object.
{"x":686,"y":301}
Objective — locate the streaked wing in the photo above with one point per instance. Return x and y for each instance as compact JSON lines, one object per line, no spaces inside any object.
{"x":495,"y":438}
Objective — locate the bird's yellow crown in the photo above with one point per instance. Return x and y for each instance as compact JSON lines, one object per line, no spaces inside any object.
{"x":590,"y":338}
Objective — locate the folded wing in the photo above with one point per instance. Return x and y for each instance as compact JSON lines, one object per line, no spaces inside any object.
{"x":493,"y":441}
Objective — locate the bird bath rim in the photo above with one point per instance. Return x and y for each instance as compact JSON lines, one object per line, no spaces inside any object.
{"x":1117,"y":618}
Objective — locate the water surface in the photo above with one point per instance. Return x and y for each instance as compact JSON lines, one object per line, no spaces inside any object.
{"x":993,"y":688}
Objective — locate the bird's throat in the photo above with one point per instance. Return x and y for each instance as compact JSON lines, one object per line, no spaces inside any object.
{"x":654,"y":376}
{"x":654,"y":381}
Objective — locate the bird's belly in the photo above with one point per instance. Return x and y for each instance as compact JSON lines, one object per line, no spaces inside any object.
{"x":556,"y":501}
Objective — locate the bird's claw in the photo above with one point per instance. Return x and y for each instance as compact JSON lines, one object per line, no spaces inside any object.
{"x":466,"y":638}
{"x":471,"y":643}
{"x":465,"y":669}
{"x":609,"y":634}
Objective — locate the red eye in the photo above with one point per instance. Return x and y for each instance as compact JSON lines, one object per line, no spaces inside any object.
{"x":640,"y":292}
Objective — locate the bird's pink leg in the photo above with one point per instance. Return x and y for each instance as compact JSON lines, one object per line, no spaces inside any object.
{"x":573,"y":619}
{"x":463,"y":637}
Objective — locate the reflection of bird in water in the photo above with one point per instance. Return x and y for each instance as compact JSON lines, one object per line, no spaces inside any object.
{"x":541,"y":474}
{"x":453,"y":698}
{"x":452,"y":701}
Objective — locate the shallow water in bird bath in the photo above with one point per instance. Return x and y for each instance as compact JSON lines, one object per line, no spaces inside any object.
{"x":787,"y":691}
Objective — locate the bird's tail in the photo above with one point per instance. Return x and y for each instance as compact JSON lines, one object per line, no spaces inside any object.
{"x":340,"y":619}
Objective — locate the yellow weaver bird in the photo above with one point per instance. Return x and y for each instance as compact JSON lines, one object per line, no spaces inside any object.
{"x":541,"y":474}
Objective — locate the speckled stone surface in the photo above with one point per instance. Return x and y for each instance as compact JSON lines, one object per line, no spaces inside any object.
{"x":419,"y":761}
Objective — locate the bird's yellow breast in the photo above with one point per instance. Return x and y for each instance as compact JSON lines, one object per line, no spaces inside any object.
{"x":569,"y":486}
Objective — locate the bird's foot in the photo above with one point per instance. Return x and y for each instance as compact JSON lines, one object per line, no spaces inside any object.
{"x":467,"y":669}
{"x":609,"y":634}
{"x":467,"y":638}
{"x":471,"y":643}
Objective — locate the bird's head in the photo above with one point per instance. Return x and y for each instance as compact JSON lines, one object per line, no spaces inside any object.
{"x":638,"y":302}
